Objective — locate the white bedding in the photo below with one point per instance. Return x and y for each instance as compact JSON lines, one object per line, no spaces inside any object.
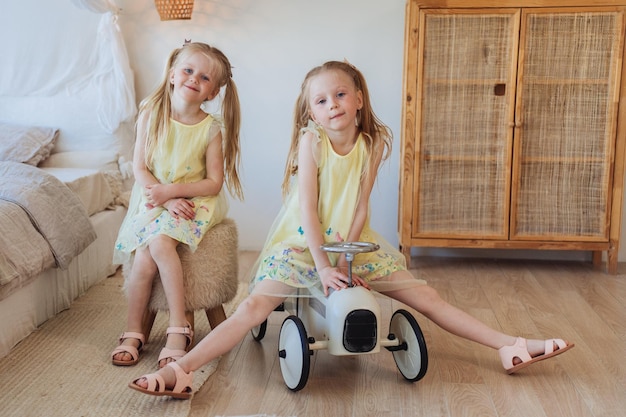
{"x":54,"y":290}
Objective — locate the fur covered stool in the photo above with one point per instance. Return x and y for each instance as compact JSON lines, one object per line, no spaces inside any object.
{"x":210,"y":277}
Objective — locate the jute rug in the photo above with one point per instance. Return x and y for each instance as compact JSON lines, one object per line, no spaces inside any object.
{"x":64,"y":368}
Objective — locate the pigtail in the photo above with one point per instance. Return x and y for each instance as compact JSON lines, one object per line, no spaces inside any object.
{"x":300,"y":120}
{"x":231,"y":113}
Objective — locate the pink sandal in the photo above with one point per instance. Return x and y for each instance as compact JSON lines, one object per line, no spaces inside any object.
{"x":167,"y":353}
{"x":131,"y":350}
{"x":519,"y":350}
{"x":156,"y":384}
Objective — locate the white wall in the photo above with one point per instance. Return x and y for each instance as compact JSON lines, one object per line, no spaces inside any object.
{"x":272,"y":44}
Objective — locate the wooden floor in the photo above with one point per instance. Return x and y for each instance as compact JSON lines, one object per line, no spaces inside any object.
{"x":528,"y":298}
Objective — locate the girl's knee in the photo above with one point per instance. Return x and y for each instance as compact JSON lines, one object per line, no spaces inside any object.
{"x":160,"y":245}
{"x":430,"y":292}
{"x":143,"y":268}
{"x":428,"y":299}
{"x":255,"y":309}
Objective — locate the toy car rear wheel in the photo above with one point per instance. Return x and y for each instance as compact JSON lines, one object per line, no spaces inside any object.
{"x":294,"y":355}
{"x":258,"y":332}
{"x":412,"y":358}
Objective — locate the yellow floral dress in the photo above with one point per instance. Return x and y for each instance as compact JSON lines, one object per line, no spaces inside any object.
{"x":180,"y":158}
{"x":285,"y":256}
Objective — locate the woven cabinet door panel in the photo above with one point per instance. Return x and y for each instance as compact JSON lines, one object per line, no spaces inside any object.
{"x":463,"y":137}
{"x":566,"y":112}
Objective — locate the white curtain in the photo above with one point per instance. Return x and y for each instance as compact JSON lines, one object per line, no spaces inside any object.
{"x":59,"y":51}
{"x":111,"y":75}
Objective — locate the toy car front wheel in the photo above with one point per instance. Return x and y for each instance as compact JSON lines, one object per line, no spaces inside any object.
{"x":293,"y":353}
{"x":411,"y":356}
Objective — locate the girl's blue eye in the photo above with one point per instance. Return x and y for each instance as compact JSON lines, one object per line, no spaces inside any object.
{"x":321,"y":101}
{"x":341,"y":94}
{"x":187,"y":71}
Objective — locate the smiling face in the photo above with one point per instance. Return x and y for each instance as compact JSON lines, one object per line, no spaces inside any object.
{"x":194,"y":78}
{"x":334,"y":100}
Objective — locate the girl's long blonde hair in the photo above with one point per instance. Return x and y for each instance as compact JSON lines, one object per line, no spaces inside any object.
{"x":375,"y":132}
{"x":158,"y":107}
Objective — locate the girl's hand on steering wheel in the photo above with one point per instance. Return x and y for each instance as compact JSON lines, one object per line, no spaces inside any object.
{"x":356,"y":280}
{"x":333,"y":277}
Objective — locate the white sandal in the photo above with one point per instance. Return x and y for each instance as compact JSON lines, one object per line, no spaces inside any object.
{"x":131,"y":350}
{"x":519,"y":350}
{"x":156,"y":384}
{"x":167,"y":353}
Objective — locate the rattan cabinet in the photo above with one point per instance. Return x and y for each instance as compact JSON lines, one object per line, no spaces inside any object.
{"x":513,"y":135}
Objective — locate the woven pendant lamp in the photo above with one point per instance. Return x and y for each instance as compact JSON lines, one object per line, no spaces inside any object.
{"x":174,"y":9}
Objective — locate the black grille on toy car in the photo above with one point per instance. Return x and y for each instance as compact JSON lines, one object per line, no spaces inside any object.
{"x":359,"y":331}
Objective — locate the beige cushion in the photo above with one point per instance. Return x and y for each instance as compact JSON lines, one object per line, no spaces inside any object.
{"x":26,"y":144}
{"x":210,"y":274}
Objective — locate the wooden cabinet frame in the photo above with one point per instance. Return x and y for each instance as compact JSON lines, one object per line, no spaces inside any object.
{"x":508,"y":235}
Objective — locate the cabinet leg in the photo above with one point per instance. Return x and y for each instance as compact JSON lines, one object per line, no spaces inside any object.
{"x":612,"y":261}
{"x":596,"y":259}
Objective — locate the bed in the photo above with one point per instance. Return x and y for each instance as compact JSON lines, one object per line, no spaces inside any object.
{"x":59,"y":217}
{"x":66,"y":139}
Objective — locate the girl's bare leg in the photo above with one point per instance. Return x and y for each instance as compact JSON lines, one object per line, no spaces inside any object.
{"x":139,"y":289}
{"x":427,"y":301}
{"x":163,"y":251}
{"x":250,"y":313}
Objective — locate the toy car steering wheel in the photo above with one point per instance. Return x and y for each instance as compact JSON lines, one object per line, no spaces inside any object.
{"x":350,"y":249}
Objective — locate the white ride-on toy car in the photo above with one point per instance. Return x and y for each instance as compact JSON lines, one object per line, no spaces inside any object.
{"x":347,"y":322}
